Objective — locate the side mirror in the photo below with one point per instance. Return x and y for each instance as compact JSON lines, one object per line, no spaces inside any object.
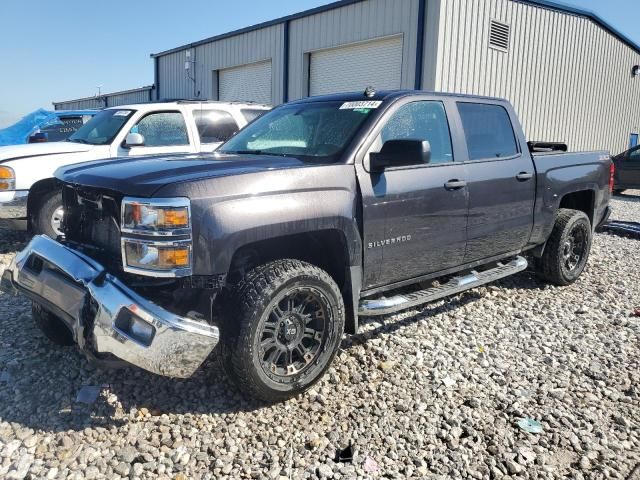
{"x":39,"y":137}
{"x":134,"y":140}
{"x":400,"y":153}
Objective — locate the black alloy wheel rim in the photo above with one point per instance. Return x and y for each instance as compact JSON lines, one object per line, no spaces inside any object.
{"x":293,"y":333}
{"x":575,"y":247}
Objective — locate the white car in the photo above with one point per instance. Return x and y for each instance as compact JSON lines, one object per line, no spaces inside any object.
{"x":29,"y":197}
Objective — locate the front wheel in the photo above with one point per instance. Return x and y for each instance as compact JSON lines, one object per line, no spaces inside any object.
{"x":47,"y":220}
{"x":282,"y":329}
{"x":51,"y":326}
{"x":567,"y":251}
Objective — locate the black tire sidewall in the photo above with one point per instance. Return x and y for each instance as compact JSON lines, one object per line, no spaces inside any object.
{"x":553,"y":258}
{"x":47,"y":206}
{"x":572,"y":275}
{"x":51,"y":326}
{"x":246,"y":362}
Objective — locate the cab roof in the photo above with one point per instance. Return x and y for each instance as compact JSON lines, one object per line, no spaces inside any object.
{"x":384,"y":95}
{"x":173,"y":103}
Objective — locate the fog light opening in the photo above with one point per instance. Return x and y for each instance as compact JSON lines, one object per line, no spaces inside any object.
{"x":134,"y":327}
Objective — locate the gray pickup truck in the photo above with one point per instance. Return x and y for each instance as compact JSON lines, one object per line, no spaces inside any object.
{"x":320,"y":212}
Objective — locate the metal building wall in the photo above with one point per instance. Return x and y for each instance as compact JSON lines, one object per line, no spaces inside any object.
{"x":137,"y":95}
{"x":80,"y":104}
{"x":568,"y":78}
{"x":141,"y":95}
{"x":245,"y":48}
{"x":353,"y":23}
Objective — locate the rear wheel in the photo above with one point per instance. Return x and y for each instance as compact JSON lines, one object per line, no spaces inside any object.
{"x":567,"y":250}
{"x":51,"y":326}
{"x":283,"y":329}
{"x":47,"y":220}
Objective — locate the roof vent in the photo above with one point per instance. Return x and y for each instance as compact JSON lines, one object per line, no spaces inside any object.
{"x":499,"y":36}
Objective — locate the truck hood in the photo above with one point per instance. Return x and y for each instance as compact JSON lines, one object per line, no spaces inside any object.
{"x":143,"y":176}
{"x":14,"y":152}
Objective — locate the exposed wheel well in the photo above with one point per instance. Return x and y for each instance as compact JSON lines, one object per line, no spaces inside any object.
{"x":582,"y":200}
{"x":36,"y":193}
{"x":326,"y":249}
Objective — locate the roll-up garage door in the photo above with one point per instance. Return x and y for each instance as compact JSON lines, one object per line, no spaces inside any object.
{"x":246,"y":83}
{"x":353,"y":68}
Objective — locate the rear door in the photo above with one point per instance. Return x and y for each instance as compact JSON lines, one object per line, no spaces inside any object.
{"x":214,"y":127}
{"x":413,"y":223}
{"x":501,"y":181}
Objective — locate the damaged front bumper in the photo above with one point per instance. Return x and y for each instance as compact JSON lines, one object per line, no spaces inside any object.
{"x":106,"y":316}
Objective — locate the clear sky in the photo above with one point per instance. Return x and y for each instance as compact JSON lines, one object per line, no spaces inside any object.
{"x":62,"y":49}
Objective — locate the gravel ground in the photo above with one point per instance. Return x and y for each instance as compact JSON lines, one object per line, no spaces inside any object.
{"x":432,"y":393}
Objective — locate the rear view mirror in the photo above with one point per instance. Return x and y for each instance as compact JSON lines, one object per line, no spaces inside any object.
{"x":400,"y":153}
{"x":134,"y":140}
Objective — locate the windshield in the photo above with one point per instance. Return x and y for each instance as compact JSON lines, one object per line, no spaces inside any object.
{"x":102,"y":128}
{"x":311,"y":131}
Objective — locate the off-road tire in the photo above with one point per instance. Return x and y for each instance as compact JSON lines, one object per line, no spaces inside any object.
{"x":252,"y":303}
{"x":51,"y":326}
{"x":45,"y":209}
{"x":552,"y":265}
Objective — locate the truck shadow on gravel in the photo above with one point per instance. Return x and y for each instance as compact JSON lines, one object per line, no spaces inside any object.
{"x":45,"y":380}
{"x":386,"y":325}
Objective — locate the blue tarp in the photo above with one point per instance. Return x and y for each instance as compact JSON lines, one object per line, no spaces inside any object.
{"x":19,"y":132}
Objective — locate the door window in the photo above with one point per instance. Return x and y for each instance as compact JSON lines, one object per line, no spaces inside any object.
{"x":425,"y":120}
{"x":488,"y":131}
{"x":634,"y":155}
{"x":162,"y":129}
{"x":214,"y":126}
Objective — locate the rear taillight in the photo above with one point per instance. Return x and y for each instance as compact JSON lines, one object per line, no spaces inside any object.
{"x":612,"y":172}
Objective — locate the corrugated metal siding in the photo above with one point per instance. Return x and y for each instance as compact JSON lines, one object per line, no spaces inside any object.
{"x":82,"y":104}
{"x":139,"y":95}
{"x":251,"y":47}
{"x":350,"y":24}
{"x":568,"y":78}
{"x":347,"y":69}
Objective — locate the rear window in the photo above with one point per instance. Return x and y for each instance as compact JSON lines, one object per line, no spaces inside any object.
{"x":250,"y":114}
{"x":488,"y":131}
{"x":214,"y":126}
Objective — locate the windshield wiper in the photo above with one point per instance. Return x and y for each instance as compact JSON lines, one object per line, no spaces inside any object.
{"x":78,"y":140}
{"x":258,"y":152}
{"x":244,"y":152}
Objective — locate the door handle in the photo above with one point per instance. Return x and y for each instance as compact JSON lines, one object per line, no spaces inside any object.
{"x":455,"y":184}
{"x":524,"y":176}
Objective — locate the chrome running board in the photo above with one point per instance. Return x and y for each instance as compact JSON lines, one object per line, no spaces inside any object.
{"x":385,"y":306}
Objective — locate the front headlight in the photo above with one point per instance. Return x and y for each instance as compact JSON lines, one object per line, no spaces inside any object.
{"x":7,"y":178}
{"x":156,"y":236}
{"x":156,"y":216}
{"x":160,"y":256}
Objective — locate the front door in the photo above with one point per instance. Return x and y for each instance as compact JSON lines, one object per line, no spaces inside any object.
{"x":501,"y":183}
{"x":163,"y":132}
{"x":413,"y":223}
{"x":629,"y":169}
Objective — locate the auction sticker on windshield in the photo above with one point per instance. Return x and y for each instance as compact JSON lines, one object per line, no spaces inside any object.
{"x":122,"y":113}
{"x":361,"y":104}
